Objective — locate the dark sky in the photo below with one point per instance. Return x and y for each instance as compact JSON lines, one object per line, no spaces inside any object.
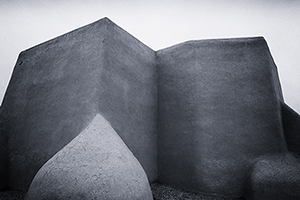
{"x":159,"y":24}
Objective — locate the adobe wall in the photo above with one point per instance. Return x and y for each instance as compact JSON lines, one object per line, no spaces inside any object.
{"x":59,"y":86}
{"x":291,"y":128}
{"x":197,"y":115}
{"x":218,"y":111}
{"x":127,"y":94}
{"x":106,"y":169}
{"x":3,"y":154}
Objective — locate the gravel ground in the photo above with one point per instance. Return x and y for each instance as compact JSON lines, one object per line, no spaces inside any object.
{"x":12,"y":195}
{"x":160,"y":192}
{"x":166,"y":192}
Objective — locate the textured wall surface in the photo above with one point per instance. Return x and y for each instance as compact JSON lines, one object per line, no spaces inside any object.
{"x":206,"y":116}
{"x":218,"y":110}
{"x":58,"y":86}
{"x":96,"y":164}
{"x":3,"y":154}
{"x":291,"y":127}
{"x":127,"y":94}
{"x":274,"y":178}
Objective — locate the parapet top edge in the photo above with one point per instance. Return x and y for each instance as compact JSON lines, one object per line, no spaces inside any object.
{"x":105,"y":21}
{"x":215,"y":41}
{"x":102,"y":20}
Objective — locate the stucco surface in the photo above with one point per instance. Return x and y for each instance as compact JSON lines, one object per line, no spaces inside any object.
{"x":127,"y":94}
{"x":58,"y":86}
{"x":218,"y":110}
{"x":205,"y":116}
{"x":291,"y":127}
{"x":3,"y":154}
{"x":94,"y":165}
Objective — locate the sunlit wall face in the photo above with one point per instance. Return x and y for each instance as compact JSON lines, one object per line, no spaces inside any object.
{"x":159,"y":24}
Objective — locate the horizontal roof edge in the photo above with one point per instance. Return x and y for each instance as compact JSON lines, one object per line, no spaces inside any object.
{"x":215,"y":41}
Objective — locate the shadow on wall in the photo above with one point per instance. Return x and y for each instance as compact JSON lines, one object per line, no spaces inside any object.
{"x":206,"y":116}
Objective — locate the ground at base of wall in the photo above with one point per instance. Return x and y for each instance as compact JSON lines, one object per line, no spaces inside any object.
{"x":166,"y":192}
{"x":8,"y":194}
{"x":159,"y":191}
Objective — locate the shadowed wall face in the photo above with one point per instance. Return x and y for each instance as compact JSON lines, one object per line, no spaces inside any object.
{"x":3,"y":154}
{"x":291,"y":128}
{"x":50,"y":99}
{"x":127,"y":94}
{"x":58,"y":87}
{"x":218,"y":110}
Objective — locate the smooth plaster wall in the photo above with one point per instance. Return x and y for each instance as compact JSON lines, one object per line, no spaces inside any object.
{"x":57,"y":88}
{"x":218,"y":110}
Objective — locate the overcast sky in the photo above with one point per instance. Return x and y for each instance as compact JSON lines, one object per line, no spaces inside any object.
{"x":159,"y":24}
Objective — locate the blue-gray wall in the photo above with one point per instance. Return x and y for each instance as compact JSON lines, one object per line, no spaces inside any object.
{"x":59,"y":86}
{"x":218,"y":111}
{"x":3,"y":154}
